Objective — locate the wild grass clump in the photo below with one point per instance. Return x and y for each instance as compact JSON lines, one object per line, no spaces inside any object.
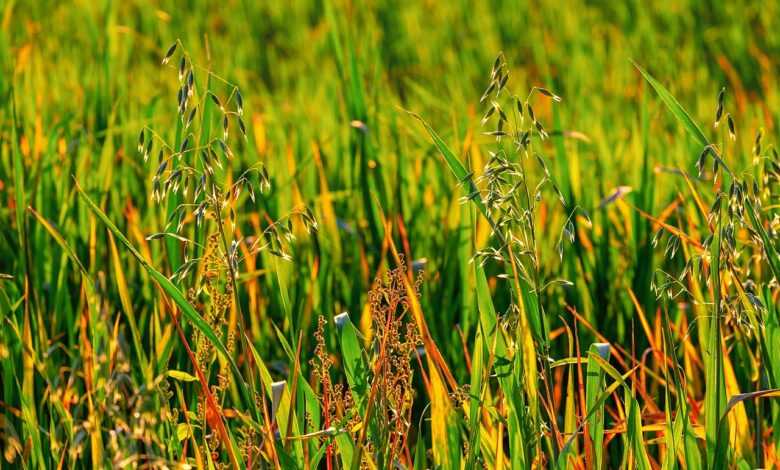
{"x":211,"y":256}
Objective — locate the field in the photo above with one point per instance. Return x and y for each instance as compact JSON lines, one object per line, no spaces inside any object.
{"x":336,"y":234}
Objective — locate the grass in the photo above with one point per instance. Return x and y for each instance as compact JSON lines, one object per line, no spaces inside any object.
{"x":341,"y":235}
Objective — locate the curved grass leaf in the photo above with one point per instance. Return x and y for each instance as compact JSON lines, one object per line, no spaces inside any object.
{"x":594,"y":383}
{"x":675,"y":107}
{"x":619,"y":380}
{"x":695,"y":131}
{"x":188,"y":311}
{"x":456,"y":167}
{"x":355,"y":366}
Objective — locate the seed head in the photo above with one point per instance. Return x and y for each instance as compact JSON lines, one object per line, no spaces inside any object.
{"x":170,"y":52}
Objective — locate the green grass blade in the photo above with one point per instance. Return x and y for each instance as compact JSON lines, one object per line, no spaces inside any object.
{"x":715,"y":396}
{"x":457,"y":168}
{"x":675,"y":107}
{"x":634,"y":431}
{"x":178,"y":297}
{"x":475,"y":403}
{"x":773,"y":257}
{"x":594,"y":385}
{"x":619,"y":380}
{"x":19,"y":176}
{"x":55,"y":234}
{"x":355,"y":366}
{"x":695,"y":131}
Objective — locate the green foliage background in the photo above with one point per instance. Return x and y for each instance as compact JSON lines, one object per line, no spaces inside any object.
{"x":79,"y":79}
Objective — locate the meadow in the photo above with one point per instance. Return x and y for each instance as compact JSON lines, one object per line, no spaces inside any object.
{"x":380,"y":235}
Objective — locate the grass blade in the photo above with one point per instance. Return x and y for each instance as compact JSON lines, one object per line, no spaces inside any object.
{"x":594,"y":385}
{"x":675,"y":107}
{"x":177,"y":296}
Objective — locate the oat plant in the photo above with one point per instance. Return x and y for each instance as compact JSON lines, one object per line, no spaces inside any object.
{"x":508,"y":192}
{"x":729,"y":276}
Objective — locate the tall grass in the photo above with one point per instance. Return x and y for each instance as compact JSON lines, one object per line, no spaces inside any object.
{"x":331,"y":235}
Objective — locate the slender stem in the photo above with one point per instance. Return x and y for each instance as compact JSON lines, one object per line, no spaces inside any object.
{"x":231,"y":271}
{"x":239,"y":311}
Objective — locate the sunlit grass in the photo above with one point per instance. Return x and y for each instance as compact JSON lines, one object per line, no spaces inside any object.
{"x":342,"y":235}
